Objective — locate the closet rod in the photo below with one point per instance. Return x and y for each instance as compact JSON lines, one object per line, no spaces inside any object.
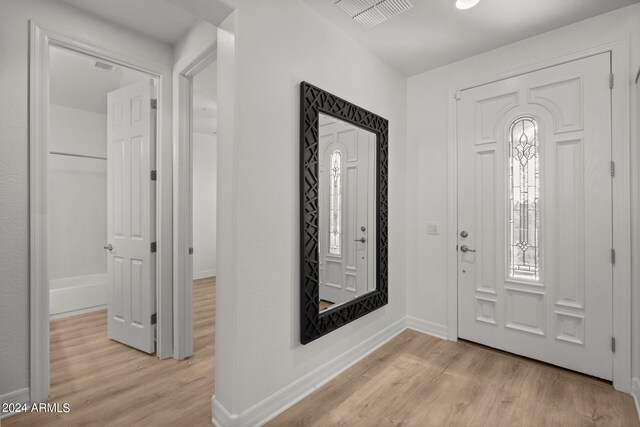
{"x":84,"y":156}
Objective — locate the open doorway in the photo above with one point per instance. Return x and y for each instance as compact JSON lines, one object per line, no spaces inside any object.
{"x":195,"y":201}
{"x":203,"y":207}
{"x":101,"y":264}
{"x":77,"y":177}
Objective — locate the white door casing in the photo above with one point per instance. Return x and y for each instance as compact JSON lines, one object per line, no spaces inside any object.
{"x":564,"y":317}
{"x":131,"y":266}
{"x":344,"y":276}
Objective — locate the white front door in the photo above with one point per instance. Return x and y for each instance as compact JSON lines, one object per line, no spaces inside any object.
{"x":535,"y":215}
{"x":346,"y":160}
{"x":131,"y":263}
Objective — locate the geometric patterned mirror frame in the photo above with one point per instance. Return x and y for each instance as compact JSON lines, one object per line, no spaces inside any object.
{"x":314,"y":101}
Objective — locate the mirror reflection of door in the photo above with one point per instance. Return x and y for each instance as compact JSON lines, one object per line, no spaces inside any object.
{"x":347,"y":197}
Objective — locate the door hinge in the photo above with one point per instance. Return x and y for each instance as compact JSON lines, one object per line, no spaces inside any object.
{"x":154,"y":104}
{"x":613,"y":344}
{"x":610,"y":80}
{"x":154,"y":319}
{"x":613,"y":168}
{"x":190,"y":251}
{"x":613,"y":256}
{"x":154,"y":175}
{"x":154,"y":247}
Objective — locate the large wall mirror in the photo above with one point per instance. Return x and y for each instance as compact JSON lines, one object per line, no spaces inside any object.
{"x":343,"y":212}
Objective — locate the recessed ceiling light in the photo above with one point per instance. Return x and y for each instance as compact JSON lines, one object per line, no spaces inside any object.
{"x":466,"y":4}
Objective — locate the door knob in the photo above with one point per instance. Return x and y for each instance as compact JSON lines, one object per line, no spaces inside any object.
{"x":362,"y":240}
{"x":465,"y":248}
{"x":109,"y":247}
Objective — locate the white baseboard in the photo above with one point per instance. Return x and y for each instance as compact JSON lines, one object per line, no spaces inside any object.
{"x":204,"y":273}
{"x":75,"y":295}
{"x":18,"y":396}
{"x":635,"y":392}
{"x":426,"y":327}
{"x":221,"y":417}
{"x":283,"y":399}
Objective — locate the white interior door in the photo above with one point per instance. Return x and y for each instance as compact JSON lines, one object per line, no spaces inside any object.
{"x":346,"y":161}
{"x":535,"y":206}
{"x":131,"y":263}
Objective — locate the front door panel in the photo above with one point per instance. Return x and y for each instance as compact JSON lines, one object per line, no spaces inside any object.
{"x":534,"y":199}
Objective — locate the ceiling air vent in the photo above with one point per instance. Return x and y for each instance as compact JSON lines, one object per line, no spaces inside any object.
{"x":104,"y":65}
{"x":369,"y":13}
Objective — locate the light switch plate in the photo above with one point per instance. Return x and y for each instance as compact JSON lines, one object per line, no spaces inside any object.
{"x":433,"y":228}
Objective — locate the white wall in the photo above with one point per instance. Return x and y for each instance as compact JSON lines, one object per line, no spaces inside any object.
{"x":204,"y":205}
{"x":278,"y":44}
{"x":14,"y":173}
{"x":427,"y":158}
{"x":77,"y":193}
{"x":77,"y":206}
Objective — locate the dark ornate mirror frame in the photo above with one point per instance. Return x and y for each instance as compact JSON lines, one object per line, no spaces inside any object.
{"x":313,"y":324}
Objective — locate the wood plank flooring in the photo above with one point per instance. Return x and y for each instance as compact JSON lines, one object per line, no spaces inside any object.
{"x":414,"y":380}
{"x":110,"y":384}
{"x":417,"y":380}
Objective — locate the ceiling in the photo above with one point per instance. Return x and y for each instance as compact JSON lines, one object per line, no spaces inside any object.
{"x":158,"y":19}
{"x":77,"y":83}
{"x":205,"y":100}
{"x":164,"y":20}
{"x":435,"y":33}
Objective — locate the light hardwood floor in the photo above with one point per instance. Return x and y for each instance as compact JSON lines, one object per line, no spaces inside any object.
{"x":414,"y":380}
{"x":417,"y":380}
{"x":110,"y":384}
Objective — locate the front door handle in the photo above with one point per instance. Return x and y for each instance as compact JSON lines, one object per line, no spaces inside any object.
{"x":465,"y":248}
{"x":109,"y":247}
{"x":362,"y":240}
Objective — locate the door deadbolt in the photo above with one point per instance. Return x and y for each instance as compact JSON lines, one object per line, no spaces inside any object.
{"x":464,"y":234}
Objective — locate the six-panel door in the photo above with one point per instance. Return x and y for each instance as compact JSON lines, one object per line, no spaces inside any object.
{"x":130,"y":219}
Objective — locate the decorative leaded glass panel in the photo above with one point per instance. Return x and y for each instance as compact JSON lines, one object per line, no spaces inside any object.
{"x":335,"y":203}
{"x":524,"y":200}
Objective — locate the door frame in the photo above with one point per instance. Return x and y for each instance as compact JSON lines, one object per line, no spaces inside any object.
{"x":183,"y":199}
{"x":620,"y":149}
{"x":41,"y":39}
